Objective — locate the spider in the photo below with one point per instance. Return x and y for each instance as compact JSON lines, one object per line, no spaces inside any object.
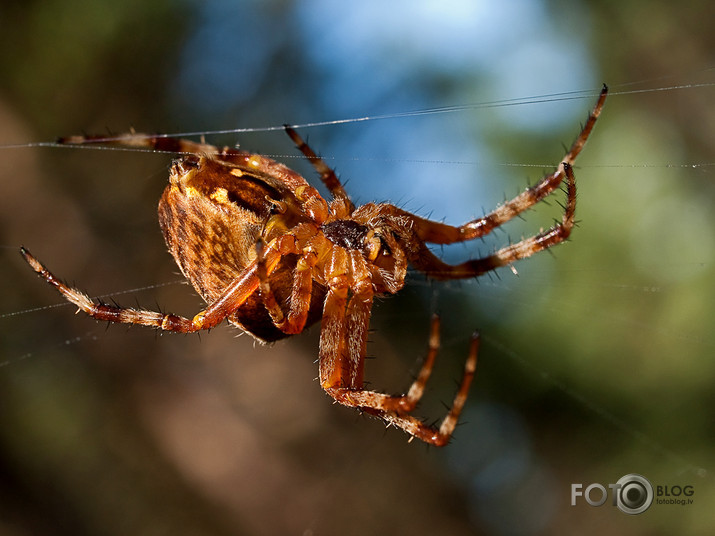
{"x":270,"y":255}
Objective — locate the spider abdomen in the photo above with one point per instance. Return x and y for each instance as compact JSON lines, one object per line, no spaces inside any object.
{"x":213,"y":215}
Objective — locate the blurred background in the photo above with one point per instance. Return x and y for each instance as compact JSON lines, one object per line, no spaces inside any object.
{"x":596,"y":362}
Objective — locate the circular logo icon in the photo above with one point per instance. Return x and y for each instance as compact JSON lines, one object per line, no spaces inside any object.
{"x":634,"y":495}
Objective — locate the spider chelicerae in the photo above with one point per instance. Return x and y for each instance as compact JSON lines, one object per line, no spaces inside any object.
{"x":270,"y":255}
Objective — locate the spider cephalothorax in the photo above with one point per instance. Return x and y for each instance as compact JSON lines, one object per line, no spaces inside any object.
{"x":270,"y":255}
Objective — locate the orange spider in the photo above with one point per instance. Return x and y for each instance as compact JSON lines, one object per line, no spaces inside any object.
{"x":270,"y":255}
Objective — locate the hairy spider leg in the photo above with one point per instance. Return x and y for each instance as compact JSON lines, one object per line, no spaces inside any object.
{"x":407,"y":402}
{"x":342,"y":352}
{"x":441,"y":233}
{"x":395,"y":410}
{"x":230,"y":300}
{"x":435,"y":268}
{"x":315,"y":206}
{"x":301,"y":292}
{"x":327,"y":174}
{"x":481,"y":226}
{"x":166,"y":144}
{"x":437,"y":436}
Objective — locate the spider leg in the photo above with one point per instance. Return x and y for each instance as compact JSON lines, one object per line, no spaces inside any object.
{"x":427,"y":262}
{"x":437,"y":436}
{"x":537,"y":192}
{"x":395,"y":403}
{"x":316,"y":206}
{"x":395,"y":410}
{"x":237,"y":157}
{"x":342,"y":355}
{"x":336,"y":368}
{"x":231,"y":298}
{"x":440,"y":233}
{"x":409,"y":401}
{"x":147,"y":141}
{"x":327,"y":174}
{"x":587,"y":127}
{"x":301,"y":291}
